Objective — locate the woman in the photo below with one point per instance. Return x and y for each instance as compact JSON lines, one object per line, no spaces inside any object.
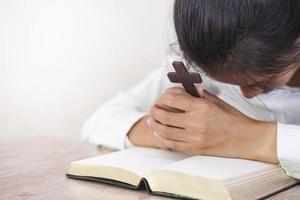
{"x":248,"y":53}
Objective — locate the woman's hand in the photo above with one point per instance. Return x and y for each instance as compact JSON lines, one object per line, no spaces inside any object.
{"x":210,"y":126}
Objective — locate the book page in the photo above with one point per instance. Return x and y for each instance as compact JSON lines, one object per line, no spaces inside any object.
{"x":218,"y":168}
{"x":137,"y":159}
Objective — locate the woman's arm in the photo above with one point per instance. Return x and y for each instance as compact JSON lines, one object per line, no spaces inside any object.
{"x":141,"y":134}
{"x":109,"y":125}
{"x":210,"y":126}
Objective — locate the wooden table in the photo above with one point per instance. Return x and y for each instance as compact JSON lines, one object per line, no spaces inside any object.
{"x":35,"y":169}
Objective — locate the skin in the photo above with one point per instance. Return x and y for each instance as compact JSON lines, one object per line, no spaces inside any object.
{"x":210,"y":126}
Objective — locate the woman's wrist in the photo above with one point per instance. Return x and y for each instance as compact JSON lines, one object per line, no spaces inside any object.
{"x":264,"y":142}
{"x":141,"y":134}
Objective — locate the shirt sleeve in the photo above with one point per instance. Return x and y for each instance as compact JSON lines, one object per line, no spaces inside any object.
{"x":111,"y":122}
{"x":288,"y":151}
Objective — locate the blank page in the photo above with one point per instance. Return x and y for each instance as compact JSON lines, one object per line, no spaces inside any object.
{"x":138,"y":159}
{"x":218,"y":168}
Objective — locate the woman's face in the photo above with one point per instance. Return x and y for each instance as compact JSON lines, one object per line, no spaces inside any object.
{"x":256,"y":84}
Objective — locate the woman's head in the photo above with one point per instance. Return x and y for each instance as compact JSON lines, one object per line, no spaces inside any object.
{"x":250,"y":43}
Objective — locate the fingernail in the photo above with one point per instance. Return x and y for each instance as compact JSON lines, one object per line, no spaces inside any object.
{"x":149,"y":121}
{"x":156,"y":134}
{"x":199,"y":88}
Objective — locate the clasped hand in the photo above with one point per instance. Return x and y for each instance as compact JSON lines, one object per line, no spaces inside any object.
{"x":209,"y":126}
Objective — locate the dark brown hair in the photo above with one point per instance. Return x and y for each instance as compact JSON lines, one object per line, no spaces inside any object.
{"x":239,"y":36}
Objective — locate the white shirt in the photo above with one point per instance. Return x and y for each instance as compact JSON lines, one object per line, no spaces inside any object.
{"x":109,"y":125}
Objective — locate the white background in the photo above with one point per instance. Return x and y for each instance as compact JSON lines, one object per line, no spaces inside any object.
{"x":61,"y":59}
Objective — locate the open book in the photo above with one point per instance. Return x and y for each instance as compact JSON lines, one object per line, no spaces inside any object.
{"x":174,"y":174}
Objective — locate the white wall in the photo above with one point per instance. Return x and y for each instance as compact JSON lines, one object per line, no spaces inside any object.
{"x":60,"y":59}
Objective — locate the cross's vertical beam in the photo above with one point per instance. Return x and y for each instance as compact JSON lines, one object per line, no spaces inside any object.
{"x":181,"y":75}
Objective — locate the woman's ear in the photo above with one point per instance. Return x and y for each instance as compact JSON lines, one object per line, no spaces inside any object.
{"x":298,"y":46}
{"x":295,"y":79}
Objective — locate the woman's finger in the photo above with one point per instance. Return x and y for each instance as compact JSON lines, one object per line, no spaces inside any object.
{"x":199,"y":88}
{"x":176,"y":90}
{"x":168,"y":132}
{"x":175,"y":145}
{"x":168,"y":118}
{"x":175,"y":100}
{"x":159,"y":141}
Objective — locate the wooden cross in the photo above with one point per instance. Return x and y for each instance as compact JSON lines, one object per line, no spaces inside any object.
{"x":187,"y":79}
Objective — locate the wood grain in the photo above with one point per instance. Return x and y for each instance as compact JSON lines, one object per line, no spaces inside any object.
{"x":35,"y":169}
